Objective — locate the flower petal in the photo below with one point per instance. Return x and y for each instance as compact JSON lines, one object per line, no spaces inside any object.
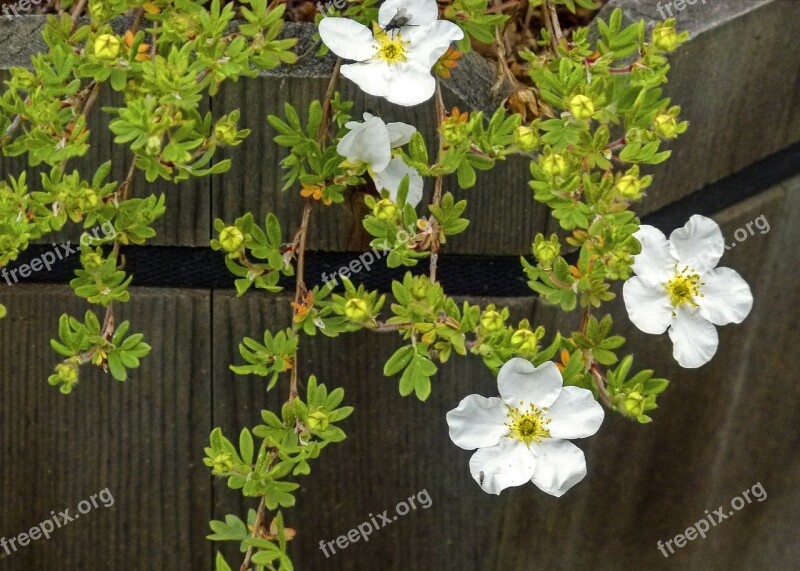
{"x":420,"y":12}
{"x":509,"y":463}
{"x":699,"y":244}
{"x":367,"y":142}
{"x":391,"y":177}
{"x":654,"y":264}
{"x":347,"y":38}
{"x":400,"y":133}
{"x":519,"y":381}
{"x":726,"y":297}
{"x":427,"y":45}
{"x":694,"y":338}
{"x":478,"y":422}
{"x":648,"y":306}
{"x":371,"y":76}
{"x":408,"y":84}
{"x":559,"y":466}
{"x":575,"y":414}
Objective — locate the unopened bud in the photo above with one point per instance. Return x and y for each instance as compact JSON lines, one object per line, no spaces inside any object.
{"x":356,"y":309}
{"x":554,"y":165}
{"x":665,"y":38}
{"x":630,"y":186}
{"x":231,"y":238}
{"x":546,"y":251}
{"x":222,"y":463}
{"x":581,"y":107}
{"x":634,"y":403}
{"x":524,"y":339}
{"x":384,"y":209}
{"x":491,"y":320}
{"x":526,"y":138}
{"x":318,"y":420}
{"x":666,"y":126}
{"x":106,"y":46}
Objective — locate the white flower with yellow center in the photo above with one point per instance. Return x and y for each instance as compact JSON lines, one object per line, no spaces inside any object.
{"x":524,"y":435}
{"x":677,"y":286}
{"x":395,"y":63}
{"x":371,"y":142}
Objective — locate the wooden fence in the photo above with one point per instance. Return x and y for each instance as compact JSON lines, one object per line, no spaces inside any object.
{"x":720,"y":429}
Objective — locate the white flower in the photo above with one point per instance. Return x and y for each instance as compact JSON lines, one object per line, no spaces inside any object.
{"x":394,"y":64}
{"x":677,"y":286}
{"x":391,"y":177}
{"x":524,"y":435}
{"x":372,"y":142}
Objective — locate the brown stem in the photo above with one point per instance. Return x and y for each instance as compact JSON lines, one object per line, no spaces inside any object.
{"x":77,"y":12}
{"x":299,"y":247}
{"x":387,"y":327}
{"x":437,"y":192}
{"x":616,"y":145}
{"x":259,"y":522}
{"x":600,"y":383}
{"x":552,"y":24}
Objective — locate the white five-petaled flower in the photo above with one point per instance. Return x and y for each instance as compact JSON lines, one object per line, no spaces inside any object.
{"x":524,"y":435}
{"x":677,"y":286}
{"x":394,"y":64}
{"x":371,"y":142}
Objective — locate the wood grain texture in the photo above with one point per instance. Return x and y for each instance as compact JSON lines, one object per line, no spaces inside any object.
{"x":735,"y":77}
{"x":720,"y":430}
{"x":142,"y":439}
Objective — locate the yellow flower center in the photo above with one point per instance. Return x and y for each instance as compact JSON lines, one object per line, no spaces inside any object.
{"x":684,"y":287}
{"x":527,"y":425}
{"x":391,"y":49}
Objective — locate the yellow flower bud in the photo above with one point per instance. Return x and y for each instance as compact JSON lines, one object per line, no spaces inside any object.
{"x":634,"y":403}
{"x":231,"y":238}
{"x":318,"y":420}
{"x":526,"y":138}
{"x":222,"y":463}
{"x":419,"y":289}
{"x":3,"y":311}
{"x":554,"y":165}
{"x":67,"y":374}
{"x":666,"y":126}
{"x":106,"y":47}
{"x":225,"y":133}
{"x":546,"y":251}
{"x":491,"y":320}
{"x":89,"y":200}
{"x":581,"y":107}
{"x":153,"y":145}
{"x":384,"y":209}
{"x":92,"y":261}
{"x":524,"y":339}
{"x":665,"y":38}
{"x":356,"y":309}
{"x":630,"y":186}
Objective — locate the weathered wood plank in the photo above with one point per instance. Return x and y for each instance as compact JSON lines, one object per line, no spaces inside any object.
{"x":645,"y":483}
{"x":736,"y":80}
{"x":723,"y":93}
{"x":143,"y":439}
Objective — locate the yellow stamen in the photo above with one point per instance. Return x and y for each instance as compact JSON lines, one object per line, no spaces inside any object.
{"x":527,"y":425}
{"x":684,"y":287}
{"x":391,"y":49}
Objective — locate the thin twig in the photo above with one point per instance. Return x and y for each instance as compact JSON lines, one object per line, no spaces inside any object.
{"x":77,"y":12}
{"x":437,"y":193}
{"x":299,"y":247}
{"x":552,"y":24}
{"x":259,"y":522}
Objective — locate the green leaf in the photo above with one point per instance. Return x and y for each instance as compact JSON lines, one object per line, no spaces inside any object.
{"x":246,"y":446}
